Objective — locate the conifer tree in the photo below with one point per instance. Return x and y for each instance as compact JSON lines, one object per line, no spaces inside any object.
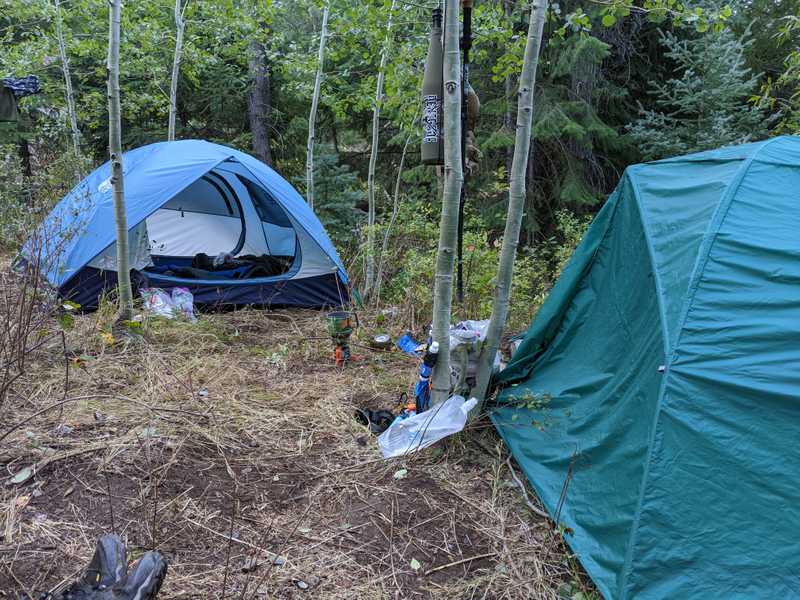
{"x":705,"y":104}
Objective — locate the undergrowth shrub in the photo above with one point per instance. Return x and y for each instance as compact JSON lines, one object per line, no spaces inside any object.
{"x":410,"y":264}
{"x":26,"y":199}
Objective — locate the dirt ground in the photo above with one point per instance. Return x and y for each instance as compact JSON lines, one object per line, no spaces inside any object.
{"x":230,"y":446}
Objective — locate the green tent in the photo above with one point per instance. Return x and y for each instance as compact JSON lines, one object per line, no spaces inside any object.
{"x":654,"y":403}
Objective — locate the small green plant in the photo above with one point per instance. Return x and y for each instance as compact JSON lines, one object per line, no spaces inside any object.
{"x":278,"y":357}
{"x":534,"y":402}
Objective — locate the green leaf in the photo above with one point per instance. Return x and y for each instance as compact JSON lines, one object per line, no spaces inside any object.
{"x":609,"y":20}
{"x":22,"y":476}
{"x":67,"y":321}
{"x":415,"y":564}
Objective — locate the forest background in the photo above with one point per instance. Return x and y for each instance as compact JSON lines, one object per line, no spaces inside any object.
{"x":613,"y":89}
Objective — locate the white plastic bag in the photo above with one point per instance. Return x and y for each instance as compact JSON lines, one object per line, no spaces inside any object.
{"x":183,"y":301}
{"x":159,"y":303}
{"x":421,"y":430}
{"x":468,"y":332}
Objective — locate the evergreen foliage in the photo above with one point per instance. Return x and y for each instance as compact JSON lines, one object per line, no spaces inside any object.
{"x":339,"y":192}
{"x":705,"y":104}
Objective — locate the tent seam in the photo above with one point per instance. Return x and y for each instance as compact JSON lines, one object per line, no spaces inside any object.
{"x":288,"y":214}
{"x":726,"y":199}
{"x":339,"y":270}
{"x":665,"y":340}
{"x":652,"y":253}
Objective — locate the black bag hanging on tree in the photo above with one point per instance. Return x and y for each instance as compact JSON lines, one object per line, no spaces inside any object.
{"x":432,"y":96}
{"x":466,"y":93}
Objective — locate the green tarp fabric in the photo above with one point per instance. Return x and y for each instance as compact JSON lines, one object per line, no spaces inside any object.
{"x":655,"y":400}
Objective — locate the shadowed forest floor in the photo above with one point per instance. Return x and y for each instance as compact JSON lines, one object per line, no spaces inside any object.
{"x":230,"y":446}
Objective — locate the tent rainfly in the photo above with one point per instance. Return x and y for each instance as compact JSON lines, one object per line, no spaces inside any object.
{"x":654,"y":402}
{"x":189,"y":202}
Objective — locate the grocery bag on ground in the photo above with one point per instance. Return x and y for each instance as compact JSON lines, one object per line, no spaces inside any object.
{"x":159,"y":303}
{"x":423,"y":429}
{"x":183,"y":301}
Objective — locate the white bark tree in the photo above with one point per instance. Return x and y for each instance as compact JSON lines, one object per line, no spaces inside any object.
{"x":180,"y":25}
{"x":516,"y":199}
{"x":115,"y":151}
{"x":373,"y":158}
{"x":454,"y":178}
{"x":312,"y":116}
{"x":70,"y":95}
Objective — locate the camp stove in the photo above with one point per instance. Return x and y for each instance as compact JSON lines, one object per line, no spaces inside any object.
{"x":340,"y":328}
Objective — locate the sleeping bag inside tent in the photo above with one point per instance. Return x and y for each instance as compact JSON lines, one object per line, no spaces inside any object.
{"x":654,"y":403}
{"x":201,"y":216}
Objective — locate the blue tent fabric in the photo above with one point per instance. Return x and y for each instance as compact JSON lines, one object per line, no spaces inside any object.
{"x":656,"y":392}
{"x":81,"y":225}
{"x":324,"y":290}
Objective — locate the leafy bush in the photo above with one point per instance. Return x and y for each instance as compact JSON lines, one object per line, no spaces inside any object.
{"x":25,"y":200}
{"x":410,"y":265}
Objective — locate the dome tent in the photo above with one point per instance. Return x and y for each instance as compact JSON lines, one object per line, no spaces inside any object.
{"x":190,"y":199}
{"x":662,"y":376}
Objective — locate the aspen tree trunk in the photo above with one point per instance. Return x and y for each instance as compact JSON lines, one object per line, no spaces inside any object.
{"x":373,"y":157}
{"x":454,"y":178}
{"x":180,"y":25}
{"x":516,"y":199}
{"x":115,"y":150}
{"x":312,"y":116}
{"x":508,"y":117}
{"x":73,"y":118}
{"x":392,"y":219}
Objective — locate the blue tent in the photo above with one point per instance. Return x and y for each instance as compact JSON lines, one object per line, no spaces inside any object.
{"x":655,"y":400}
{"x":187,"y":203}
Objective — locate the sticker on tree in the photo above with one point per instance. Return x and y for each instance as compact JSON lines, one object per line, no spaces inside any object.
{"x":431,"y":107}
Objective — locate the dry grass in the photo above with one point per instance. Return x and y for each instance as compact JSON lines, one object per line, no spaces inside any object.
{"x":232,"y":442}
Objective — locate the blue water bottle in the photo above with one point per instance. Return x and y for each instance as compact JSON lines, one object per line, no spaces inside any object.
{"x":422,"y":392}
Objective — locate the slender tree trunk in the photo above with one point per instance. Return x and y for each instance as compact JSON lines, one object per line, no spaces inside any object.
{"x":530,"y":195}
{"x":70,"y":95}
{"x":115,"y":151}
{"x":508,"y":118}
{"x":259,"y":102}
{"x":392,"y":219}
{"x":516,"y":199}
{"x":180,"y":25}
{"x":454,"y":178}
{"x":373,"y":157}
{"x":25,"y":156}
{"x":312,"y":116}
